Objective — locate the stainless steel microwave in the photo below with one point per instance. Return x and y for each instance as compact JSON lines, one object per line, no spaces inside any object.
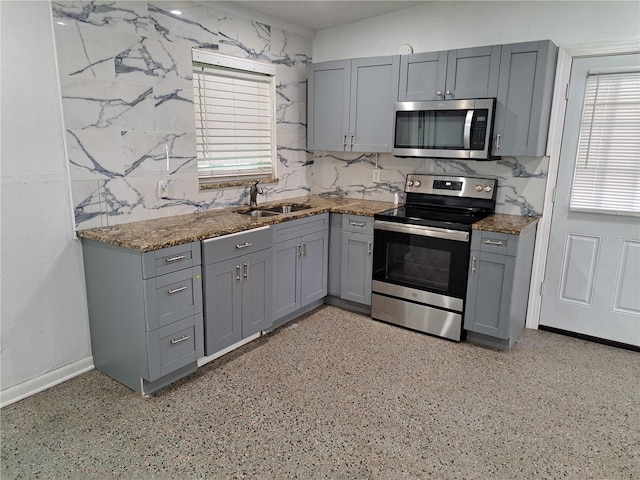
{"x":444,"y":129}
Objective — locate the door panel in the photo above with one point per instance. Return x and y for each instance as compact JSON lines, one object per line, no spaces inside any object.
{"x":593,"y":263}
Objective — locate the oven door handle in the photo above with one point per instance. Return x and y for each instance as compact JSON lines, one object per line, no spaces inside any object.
{"x":435,"y":232}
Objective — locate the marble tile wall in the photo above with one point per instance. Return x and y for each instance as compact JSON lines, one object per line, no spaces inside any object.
{"x":126,"y":80}
{"x":521,"y":181}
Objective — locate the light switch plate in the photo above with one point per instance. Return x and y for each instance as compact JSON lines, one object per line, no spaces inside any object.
{"x":376,"y":174}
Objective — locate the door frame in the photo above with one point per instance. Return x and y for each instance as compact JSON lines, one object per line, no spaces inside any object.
{"x":556,"y":129}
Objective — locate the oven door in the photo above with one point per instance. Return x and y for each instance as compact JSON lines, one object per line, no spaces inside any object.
{"x":423,"y":259}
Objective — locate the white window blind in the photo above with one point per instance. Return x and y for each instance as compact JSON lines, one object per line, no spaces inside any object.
{"x":235,"y":121}
{"x":607,"y":172}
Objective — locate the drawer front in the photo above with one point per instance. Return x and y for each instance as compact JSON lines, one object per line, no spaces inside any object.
{"x":175,"y":346}
{"x":357,"y":224}
{"x":297,"y":228}
{"x":230,"y":246}
{"x":172,"y":297}
{"x":493,"y":242}
{"x":170,"y":259}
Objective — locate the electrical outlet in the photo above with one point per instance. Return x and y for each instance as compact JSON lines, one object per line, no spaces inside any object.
{"x":163,"y":188}
{"x":376,"y":174}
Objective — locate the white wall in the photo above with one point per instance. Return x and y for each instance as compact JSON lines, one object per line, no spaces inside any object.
{"x":434,"y":26}
{"x":44,"y":321}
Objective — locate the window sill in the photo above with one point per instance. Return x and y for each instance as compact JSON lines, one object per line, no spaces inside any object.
{"x":235,"y":183}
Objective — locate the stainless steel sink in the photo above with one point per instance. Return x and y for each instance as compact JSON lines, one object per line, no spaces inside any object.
{"x":259,"y":212}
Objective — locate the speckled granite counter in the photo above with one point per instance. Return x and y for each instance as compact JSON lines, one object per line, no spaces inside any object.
{"x":501,"y":223}
{"x":159,"y":233}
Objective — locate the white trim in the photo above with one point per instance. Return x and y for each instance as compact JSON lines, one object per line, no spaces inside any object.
{"x":204,"y":360}
{"x":556,"y":129}
{"x":229,"y":61}
{"x":43,"y":382}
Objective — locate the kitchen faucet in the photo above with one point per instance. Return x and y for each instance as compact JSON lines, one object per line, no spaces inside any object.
{"x":253,"y":194}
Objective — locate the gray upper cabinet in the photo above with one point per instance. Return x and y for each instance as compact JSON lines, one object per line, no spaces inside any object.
{"x":453,"y":74}
{"x":523,"y":108}
{"x":351,"y":104}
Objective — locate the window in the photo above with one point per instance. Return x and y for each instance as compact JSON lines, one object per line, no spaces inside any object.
{"x":234,"y":101}
{"x":607,"y":172}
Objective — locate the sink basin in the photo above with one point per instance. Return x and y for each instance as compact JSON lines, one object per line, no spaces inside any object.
{"x":260,"y":213}
{"x":290,"y":208}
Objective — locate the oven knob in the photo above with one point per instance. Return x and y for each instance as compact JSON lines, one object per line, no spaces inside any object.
{"x":478,"y":188}
{"x":410,"y":183}
{"x":417,"y":183}
{"x":488,"y":188}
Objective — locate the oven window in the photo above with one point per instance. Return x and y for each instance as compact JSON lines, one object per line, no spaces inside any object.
{"x":419,"y":266}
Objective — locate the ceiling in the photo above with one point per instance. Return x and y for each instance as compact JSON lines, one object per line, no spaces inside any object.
{"x":316,"y":15}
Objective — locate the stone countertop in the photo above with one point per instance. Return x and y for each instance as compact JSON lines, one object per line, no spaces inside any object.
{"x":149,"y":235}
{"x":502,"y":223}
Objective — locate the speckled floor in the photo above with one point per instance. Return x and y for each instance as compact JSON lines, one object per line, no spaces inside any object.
{"x":338,"y":395}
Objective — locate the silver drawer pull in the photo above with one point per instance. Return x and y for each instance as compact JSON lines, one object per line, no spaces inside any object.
{"x":304,"y":249}
{"x":244,"y":245}
{"x":473,"y":265}
{"x":179,"y":340}
{"x":237,"y":272}
{"x":357,"y":224}
{"x":176,"y":258}
{"x":176,"y":290}
{"x":493,"y":242}
{"x":246,"y":270}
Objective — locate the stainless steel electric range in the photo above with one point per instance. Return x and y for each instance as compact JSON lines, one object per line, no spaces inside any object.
{"x":421,"y":252}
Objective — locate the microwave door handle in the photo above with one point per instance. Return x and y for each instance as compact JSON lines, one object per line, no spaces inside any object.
{"x":467,"y":130}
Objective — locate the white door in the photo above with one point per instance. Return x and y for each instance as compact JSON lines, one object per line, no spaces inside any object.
{"x":592,"y":279}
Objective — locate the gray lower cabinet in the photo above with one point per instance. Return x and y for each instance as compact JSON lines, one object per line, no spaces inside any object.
{"x":351,"y":104}
{"x":525,"y":93}
{"x":237,"y":287}
{"x":357,"y":259}
{"x":300,"y":267}
{"x":454,"y":74}
{"x":498,"y":287}
{"x":145,"y":312}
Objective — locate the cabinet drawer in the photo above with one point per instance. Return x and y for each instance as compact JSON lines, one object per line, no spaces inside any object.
{"x":170,"y":259}
{"x":172,"y":297}
{"x":297,"y":228}
{"x":493,"y":242}
{"x":357,"y":224}
{"x":175,"y":346}
{"x":230,"y":246}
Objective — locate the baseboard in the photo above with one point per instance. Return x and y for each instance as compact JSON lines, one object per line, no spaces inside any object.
{"x":48,"y":380}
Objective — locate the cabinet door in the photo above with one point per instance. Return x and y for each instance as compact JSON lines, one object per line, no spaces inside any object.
{"x":286,"y":277}
{"x":328,"y":109}
{"x":422,"y":76}
{"x":523,"y":108}
{"x":357,"y":262}
{"x":222,"y":304}
{"x":257,"y":298}
{"x":314,"y":267}
{"x":374,"y":90}
{"x":489,"y":294}
{"x":473,"y":72}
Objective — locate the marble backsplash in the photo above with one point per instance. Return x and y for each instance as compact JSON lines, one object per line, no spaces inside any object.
{"x":521,"y":181}
{"x":127,"y":99}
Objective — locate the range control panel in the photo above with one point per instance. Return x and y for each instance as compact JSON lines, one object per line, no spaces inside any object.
{"x":472,"y":187}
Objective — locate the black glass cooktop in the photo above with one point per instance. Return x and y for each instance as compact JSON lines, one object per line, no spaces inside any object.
{"x":442,"y":218}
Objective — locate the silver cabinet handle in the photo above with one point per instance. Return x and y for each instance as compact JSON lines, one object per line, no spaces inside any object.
{"x":498,"y":141}
{"x":352,"y":135}
{"x":299,"y":251}
{"x":176,"y":290}
{"x":449,"y":92}
{"x":493,"y":242}
{"x":238,"y":272}
{"x":438,"y":93}
{"x":357,"y":224}
{"x":176,"y":258}
{"x":344,"y":141}
{"x":369,"y":245}
{"x":244,"y":245}
{"x":179,"y":340}
{"x":246,"y":270}
{"x":304,"y":249}
{"x":473,"y":265}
